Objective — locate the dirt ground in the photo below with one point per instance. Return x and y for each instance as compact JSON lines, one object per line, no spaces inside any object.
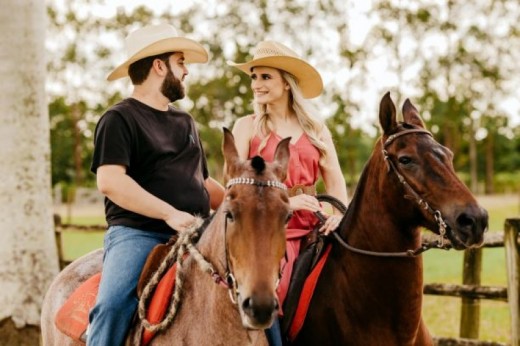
{"x":10,"y":335}
{"x":490,"y":200}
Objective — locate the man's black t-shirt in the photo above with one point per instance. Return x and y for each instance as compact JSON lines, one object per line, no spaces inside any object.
{"x":162,"y":153}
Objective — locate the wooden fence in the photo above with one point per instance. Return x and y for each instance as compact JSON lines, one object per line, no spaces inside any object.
{"x":470,"y":291}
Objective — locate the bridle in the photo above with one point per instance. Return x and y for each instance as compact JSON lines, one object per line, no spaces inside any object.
{"x":230,"y":280}
{"x":410,"y":194}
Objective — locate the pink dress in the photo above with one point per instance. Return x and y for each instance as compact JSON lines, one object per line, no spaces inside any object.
{"x":303,"y":170}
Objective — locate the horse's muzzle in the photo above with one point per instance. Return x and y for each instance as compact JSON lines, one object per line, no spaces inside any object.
{"x":259,"y":312}
{"x":467,"y":228}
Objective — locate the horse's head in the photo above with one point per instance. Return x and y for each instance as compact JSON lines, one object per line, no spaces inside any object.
{"x":423,"y":172}
{"x":256,"y":209}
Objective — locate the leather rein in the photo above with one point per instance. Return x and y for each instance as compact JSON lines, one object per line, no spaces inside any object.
{"x":410,"y":194}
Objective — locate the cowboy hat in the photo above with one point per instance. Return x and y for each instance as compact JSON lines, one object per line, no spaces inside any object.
{"x":276,"y":55}
{"x":157,"y":39}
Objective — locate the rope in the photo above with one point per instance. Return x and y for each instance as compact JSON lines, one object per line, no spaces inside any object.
{"x":176,"y":253}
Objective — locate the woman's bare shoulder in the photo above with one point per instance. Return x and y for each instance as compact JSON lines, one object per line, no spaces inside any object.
{"x":244,"y":124}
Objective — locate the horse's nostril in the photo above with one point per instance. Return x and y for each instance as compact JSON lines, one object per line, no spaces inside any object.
{"x":247,"y":303}
{"x":465,"y":221}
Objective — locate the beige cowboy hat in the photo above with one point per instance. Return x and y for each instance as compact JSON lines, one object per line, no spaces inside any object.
{"x":157,"y":39}
{"x":276,"y":55}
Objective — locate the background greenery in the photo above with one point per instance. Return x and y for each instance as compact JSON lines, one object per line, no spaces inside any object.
{"x":456,"y":60}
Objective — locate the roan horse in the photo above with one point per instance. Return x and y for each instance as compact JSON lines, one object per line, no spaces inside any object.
{"x":245,"y":239}
{"x":364,"y":298}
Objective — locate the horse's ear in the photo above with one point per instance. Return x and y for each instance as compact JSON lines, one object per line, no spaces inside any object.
{"x":411,"y":114}
{"x":281,"y":158}
{"x":230,"y":152}
{"x":387,"y":117}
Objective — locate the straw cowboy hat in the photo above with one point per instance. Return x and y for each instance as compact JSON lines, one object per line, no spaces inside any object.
{"x":276,"y":55}
{"x":157,"y":39}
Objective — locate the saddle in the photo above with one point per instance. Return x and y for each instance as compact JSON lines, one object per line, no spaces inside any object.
{"x":72,"y":318}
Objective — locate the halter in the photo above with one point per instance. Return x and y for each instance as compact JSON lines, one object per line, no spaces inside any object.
{"x":412,"y":194}
{"x":230,"y":281}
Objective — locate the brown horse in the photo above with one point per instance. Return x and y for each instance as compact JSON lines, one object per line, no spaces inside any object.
{"x":245,"y":239}
{"x":370,"y":289}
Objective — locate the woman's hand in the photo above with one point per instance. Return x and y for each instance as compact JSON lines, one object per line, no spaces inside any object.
{"x":304,"y":202}
{"x":331,"y":224}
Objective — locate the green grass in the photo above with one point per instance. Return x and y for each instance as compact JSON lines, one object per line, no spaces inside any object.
{"x":76,"y":243}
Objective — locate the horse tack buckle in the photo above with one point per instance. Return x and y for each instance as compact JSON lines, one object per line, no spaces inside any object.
{"x":442,"y":227}
{"x":232,"y":287}
{"x":300,"y":189}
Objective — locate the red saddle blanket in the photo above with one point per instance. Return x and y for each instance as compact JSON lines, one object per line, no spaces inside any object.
{"x":72,"y":318}
{"x":306,"y":295}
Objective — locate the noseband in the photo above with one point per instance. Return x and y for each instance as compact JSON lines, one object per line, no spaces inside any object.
{"x":411,"y":194}
{"x":230,"y":278}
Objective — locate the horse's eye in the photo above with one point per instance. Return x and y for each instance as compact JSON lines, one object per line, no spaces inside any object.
{"x":229,"y":216}
{"x":289,"y":216}
{"x":404,"y":160}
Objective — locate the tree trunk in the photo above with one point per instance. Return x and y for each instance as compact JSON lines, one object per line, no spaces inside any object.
{"x":28,"y":256}
{"x":490,"y":162}
{"x":473,"y":166}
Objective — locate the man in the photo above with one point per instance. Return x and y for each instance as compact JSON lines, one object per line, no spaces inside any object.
{"x":150,"y":165}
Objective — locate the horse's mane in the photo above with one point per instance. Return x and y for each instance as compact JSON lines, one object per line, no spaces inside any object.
{"x":200,"y":230}
{"x":356,"y":199}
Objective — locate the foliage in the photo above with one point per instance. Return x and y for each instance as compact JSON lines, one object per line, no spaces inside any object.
{"x":459,"y":85}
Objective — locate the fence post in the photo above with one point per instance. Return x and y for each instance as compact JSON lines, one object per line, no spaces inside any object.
{"x":511,"y":230}
{"x":470,"y":310}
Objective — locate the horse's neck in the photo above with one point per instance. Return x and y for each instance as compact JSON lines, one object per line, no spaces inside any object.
{"x":380,"y":220}
{"x":379,"y":217}
{"x":212,"y":243}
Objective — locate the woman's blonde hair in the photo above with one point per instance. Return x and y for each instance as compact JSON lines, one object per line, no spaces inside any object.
{"x":304,"y":111}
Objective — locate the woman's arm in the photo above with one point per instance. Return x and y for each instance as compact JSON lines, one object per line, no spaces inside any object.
{"x":335,"y":185}
{"x":216,"y":192}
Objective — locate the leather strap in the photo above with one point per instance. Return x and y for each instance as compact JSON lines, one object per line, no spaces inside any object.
{"x":299,"y":189}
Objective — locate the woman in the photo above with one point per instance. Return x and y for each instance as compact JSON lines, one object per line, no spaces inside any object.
{"x":281,"y":83}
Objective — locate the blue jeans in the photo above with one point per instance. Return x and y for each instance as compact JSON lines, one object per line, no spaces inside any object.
{"x":126,"y":250}
{"x":274,"y":334}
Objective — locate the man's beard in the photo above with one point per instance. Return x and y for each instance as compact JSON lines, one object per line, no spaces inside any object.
{"x":172,"y":87}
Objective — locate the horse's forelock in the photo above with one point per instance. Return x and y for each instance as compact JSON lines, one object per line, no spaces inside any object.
{"x":258,"y":164}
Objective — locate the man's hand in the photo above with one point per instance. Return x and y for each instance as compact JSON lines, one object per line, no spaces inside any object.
{"x":180,"y":220}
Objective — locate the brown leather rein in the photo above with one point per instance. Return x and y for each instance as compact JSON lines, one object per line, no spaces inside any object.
{"x":411,"y":194}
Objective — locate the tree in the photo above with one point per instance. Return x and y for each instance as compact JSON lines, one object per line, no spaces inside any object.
{"x":28,"y":256}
